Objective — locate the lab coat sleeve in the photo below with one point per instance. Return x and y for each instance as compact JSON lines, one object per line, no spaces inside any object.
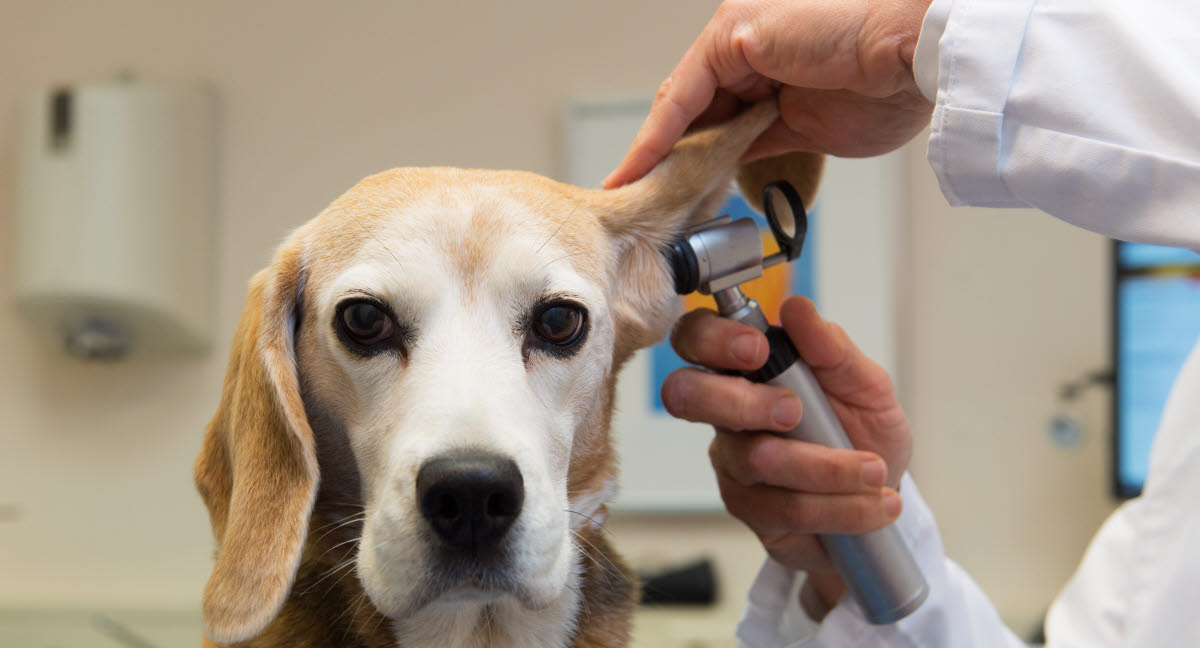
{"x":1093,"y":609}
{"x":956,"y":613}
{"x":1085,"y":109}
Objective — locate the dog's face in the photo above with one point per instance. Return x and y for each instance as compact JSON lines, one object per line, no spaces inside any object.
{"x":462,"y":340}
{"x":447,"y":341}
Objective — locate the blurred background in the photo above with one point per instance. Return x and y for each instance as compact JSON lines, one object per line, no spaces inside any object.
{"x":103,"y":540}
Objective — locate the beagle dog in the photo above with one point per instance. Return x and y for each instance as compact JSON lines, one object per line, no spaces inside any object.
{"x":412,"y":445}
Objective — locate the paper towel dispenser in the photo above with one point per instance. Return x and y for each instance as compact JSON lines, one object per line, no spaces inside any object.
{"x":115,"y":208}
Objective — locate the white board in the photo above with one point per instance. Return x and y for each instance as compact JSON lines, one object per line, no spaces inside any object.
{"x":664,"y":461}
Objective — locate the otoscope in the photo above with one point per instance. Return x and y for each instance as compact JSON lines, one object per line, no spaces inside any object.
{"x":715,"y":258}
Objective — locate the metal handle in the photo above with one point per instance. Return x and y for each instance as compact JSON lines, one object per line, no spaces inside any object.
{"x":877,"y":567}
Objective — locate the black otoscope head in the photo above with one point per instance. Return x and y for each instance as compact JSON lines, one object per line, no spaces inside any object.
{"x":789,"y":224}
{"x":684,"y":265}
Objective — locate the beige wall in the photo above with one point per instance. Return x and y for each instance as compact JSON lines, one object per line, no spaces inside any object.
{"x":95,"y":461}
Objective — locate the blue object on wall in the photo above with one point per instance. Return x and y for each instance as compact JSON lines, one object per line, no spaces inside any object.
{"x":800,"y":281}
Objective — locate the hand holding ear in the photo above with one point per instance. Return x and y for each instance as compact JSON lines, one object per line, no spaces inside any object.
{"x":841,"y":71}
{"x":786,"y":490}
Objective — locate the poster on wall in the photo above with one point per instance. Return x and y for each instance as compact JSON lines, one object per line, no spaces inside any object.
{"x":664,"y":464}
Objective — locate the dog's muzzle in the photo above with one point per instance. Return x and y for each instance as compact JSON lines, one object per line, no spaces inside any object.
{"x":470,"y":499}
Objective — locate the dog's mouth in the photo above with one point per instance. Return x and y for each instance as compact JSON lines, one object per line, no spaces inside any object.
{"x":464,"y":582}
{"x":485,"y":575}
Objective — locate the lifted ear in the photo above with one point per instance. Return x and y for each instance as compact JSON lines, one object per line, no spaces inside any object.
{"x":802,"y":170}
{"x":257,"y":470}
{"x":685,"y":189}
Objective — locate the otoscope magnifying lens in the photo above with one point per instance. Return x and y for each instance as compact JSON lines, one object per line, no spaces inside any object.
{"x":781,"y":210}
{"x":786,"y":216}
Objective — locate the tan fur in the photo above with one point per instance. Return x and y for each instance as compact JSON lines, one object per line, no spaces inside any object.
{"x":276,"y":471}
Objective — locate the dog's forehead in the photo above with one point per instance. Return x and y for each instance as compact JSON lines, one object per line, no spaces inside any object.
{"x":472,"y":222}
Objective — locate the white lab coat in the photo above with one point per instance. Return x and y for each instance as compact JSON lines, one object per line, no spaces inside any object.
{"x":1090,"y":111}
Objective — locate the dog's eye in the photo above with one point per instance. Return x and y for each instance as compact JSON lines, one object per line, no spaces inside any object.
{"x":560,"y":323}
{"x":365,"y":324}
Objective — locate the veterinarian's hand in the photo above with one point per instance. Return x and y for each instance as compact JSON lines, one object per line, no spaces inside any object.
{"x":840,"y":69}
{"x":787,"y":490}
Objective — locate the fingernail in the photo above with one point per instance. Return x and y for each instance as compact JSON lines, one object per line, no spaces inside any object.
{"x":786,"y":412}
{"x":672,"y":396}
{"x":745,"y":348}
{"x":873,"y":473}
{"x":892,"y":504}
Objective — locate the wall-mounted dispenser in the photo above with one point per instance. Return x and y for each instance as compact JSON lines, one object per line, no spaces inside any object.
{"x":115,"y":207}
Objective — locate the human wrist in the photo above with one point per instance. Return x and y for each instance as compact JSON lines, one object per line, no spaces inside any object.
{"x":895,"y":30}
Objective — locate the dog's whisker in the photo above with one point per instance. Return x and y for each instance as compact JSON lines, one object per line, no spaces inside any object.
{"x":340,"y":566}
{"x":344,"y":542}
{"x":615,"y":571}
{"x":382,"y":618}
{"x":349,"y":623}
{"x":357,"y":518}
{"x":587,"y":610}
{"x":599,"y":525}
{"x":560,"y":226}
{"x":326,"y":575}
{"x":353,"y":616}
{"x":372,"y":235}
{"x":603,"y":568}
{"x":342,"y":577}
{"x":563,"y":257}
{"x":337,"y":525}
{"x":610,"y":573}
{"x":339,"y":519}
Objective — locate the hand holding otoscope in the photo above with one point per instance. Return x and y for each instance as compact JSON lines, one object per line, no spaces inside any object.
{"x":715,"y":258}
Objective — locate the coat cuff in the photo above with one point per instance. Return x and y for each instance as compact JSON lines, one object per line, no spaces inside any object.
{"x":775,"y":617}
{"x":977,"y":57}
{"x":925,"y":59}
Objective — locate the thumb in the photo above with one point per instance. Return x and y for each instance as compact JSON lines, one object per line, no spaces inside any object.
{"x":842,"y":369}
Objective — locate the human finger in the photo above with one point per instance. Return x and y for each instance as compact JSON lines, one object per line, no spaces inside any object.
{"x":729,"y":401}
{"x":842,"y":369}
{"x":771,"y":510}
{"x":681,"y":98}
{"x":751,"y":459}
{"x":796,"y":550}
{"x":702,"y":337}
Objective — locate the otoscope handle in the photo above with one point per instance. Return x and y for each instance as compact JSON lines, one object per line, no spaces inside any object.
{"x":877,"y":567}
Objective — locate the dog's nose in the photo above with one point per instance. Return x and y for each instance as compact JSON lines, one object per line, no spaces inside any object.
{"x":470,"y":498}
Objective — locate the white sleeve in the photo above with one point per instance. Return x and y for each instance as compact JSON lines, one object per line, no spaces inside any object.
{"x":1085,"y":109}
{"x":956,"y":613}
{"x":1092,"y":610}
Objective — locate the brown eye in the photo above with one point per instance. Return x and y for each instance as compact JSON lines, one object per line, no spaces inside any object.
{"x":366,"y":323}
{"x":559,"y":324}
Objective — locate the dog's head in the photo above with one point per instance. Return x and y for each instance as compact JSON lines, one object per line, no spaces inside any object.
{"x":456,"y":333}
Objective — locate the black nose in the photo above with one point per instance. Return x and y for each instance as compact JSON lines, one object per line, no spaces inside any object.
{"x":470,"y":498}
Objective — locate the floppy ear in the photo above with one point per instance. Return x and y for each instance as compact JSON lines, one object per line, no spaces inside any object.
{"x":257,"y":470}
{"x":685,"y":189}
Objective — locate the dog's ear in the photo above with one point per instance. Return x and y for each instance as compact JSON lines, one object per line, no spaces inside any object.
{"x":257,"y":470}
{"x":685,"y":189}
